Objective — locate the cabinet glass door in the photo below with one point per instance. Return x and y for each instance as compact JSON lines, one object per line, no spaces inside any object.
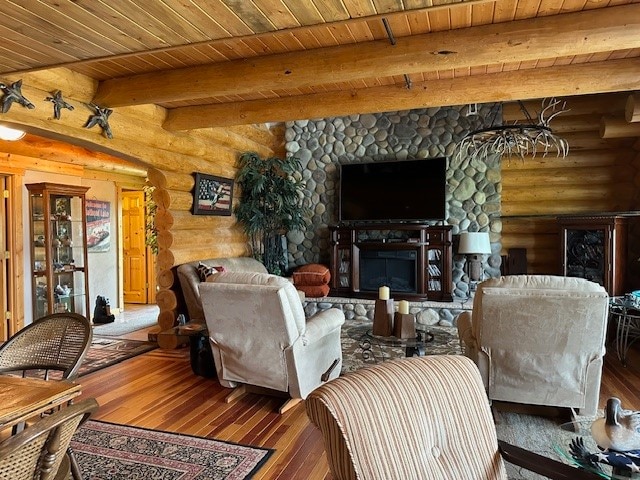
{"x":585,"y":251}
{"x":435,"y":268}
{"x":344,"y":267}
{"x":39,"y":256}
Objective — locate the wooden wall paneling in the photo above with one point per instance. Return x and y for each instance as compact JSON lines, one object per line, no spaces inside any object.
{"x":231,"y":232}
{"x":578,"y":106}
{"x":62,"y":152}
{"x":8,"y":160}
{"x":539,"y":235}
{"x":568,"y":193}
{"x":172,"y":199}
{"x":553,"y":207}
{"x":592,"y":141}
{"x":15,"y":236}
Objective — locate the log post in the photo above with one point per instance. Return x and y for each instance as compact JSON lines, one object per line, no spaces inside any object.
{"x":618,"y":127}
{"x":632,"y":108}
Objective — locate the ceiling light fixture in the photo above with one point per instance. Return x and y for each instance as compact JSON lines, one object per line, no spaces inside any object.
{"x":517,"y":139}
{"x":11,"y":134}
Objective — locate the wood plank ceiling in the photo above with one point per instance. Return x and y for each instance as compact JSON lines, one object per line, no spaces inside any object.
{"x":223,"y":62}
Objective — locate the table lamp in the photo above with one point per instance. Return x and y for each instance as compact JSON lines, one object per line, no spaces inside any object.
{"x":474,"y":245}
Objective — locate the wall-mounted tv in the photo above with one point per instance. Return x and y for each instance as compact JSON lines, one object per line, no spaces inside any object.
{"x":408,"y":190}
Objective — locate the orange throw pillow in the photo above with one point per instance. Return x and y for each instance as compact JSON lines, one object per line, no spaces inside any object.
{"x":314,"y":290}
{"x":311,"y":274}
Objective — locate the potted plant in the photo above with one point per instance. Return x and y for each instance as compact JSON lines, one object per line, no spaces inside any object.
{"x":271,"y":204}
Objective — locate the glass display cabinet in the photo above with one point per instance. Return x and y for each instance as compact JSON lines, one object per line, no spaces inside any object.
{"x":58,"y":249}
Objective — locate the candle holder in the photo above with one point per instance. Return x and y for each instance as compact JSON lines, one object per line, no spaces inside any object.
{"x":383,"y":318}
{"x":404,"y":325}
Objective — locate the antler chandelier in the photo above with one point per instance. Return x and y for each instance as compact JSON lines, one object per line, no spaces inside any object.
{"x":517,"y":139}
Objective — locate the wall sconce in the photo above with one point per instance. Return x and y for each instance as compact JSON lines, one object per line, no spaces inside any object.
{"x":475,"y":245}
{"x":11,"y":134}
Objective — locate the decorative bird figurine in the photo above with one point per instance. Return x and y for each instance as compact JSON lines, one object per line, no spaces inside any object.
{"x":619,"y":429}
{"x":58,"y":104}
{"x":13,"y":93}
{"x":100,"y":118}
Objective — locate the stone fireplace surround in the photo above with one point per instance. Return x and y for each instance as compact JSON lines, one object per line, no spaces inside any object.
{"x":472,"y":193}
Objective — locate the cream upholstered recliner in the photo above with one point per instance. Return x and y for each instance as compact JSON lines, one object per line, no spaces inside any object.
{"x":260,"y":337}
{"x":538,"y":339}
{"x":424,"y":418}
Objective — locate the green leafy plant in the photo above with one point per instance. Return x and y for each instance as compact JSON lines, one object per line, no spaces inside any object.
{"x":151,"y":237}
{"x":271,"y":204}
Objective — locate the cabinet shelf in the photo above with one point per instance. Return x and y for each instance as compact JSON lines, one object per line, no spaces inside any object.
{"x":58,"y":249}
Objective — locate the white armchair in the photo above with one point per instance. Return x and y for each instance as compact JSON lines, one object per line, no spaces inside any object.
{"x":538,"y":339}
{"x":260,"y":337}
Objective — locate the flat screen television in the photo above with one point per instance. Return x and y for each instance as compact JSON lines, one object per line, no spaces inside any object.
{"x":409,"y":190}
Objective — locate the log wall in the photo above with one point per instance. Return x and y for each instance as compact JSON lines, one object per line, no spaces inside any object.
{"x":599,"y":175}
{"x":140,"y":147}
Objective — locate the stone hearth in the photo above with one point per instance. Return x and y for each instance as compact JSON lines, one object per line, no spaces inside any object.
{"x":361,"y":310}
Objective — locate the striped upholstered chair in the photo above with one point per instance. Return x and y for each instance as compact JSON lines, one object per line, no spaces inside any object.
{"x":417,"y":419}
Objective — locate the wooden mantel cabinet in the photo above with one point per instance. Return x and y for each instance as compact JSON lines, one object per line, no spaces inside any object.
{"x":414,"y":260}
{"x":595,"y":247}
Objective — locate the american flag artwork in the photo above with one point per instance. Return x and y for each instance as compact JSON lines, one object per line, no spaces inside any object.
{"x":212,"y":195}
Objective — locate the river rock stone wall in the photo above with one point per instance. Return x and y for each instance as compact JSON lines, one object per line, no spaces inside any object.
{"x":473,"y":188}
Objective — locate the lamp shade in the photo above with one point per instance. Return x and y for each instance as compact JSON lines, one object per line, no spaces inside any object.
{"x":474,"y":243}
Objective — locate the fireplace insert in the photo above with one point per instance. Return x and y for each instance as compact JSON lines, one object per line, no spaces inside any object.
{"x":394,"y":268}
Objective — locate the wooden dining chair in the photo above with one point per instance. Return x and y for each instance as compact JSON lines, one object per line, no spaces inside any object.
{"x":51,"y":347}
{"x":39,"y":451}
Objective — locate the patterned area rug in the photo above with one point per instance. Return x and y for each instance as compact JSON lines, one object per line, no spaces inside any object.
{"x":108,"y":451}
{"x":109,"y":351}
{"x":359,"y":349}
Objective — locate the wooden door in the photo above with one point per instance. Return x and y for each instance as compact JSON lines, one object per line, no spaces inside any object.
{"x":5,"y":330}
{"x":134,"y":247}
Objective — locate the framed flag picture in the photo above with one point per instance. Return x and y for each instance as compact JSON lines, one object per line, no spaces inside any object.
{"x":212,"y":195}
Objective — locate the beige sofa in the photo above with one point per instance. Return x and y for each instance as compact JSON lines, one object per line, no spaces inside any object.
{"x":190,"y":280}
{"x":259,"y":334}
{"x":538,"y":339}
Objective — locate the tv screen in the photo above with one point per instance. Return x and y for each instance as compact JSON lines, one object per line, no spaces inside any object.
{"x":410,"y":190}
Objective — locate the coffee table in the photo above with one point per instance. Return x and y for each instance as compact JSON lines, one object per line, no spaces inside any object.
{"x":581,"y":430}
{"x":374,"y":346}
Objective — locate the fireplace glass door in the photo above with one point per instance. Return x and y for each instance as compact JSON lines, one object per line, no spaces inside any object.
{"x":394,"y":268}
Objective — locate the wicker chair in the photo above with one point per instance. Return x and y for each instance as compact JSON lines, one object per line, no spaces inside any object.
{"x":39,"y":451}
{"x":52,"y":348}
{"x":54,"y":343}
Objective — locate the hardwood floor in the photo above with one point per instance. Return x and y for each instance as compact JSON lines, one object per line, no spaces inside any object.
{"x":158,"y":390}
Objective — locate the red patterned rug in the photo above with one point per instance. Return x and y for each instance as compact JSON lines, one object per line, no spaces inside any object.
{"x":108,"y":451}
{"x":104,"y":352}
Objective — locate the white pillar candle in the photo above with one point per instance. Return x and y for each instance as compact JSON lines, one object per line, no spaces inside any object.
{"x":403,"y":306}
{"x":383,"y":293}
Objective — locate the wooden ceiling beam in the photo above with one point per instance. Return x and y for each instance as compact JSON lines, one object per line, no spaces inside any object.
{"x":570,"y":34}
{"x":566,"y":80}
{"x":65,"y":153}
